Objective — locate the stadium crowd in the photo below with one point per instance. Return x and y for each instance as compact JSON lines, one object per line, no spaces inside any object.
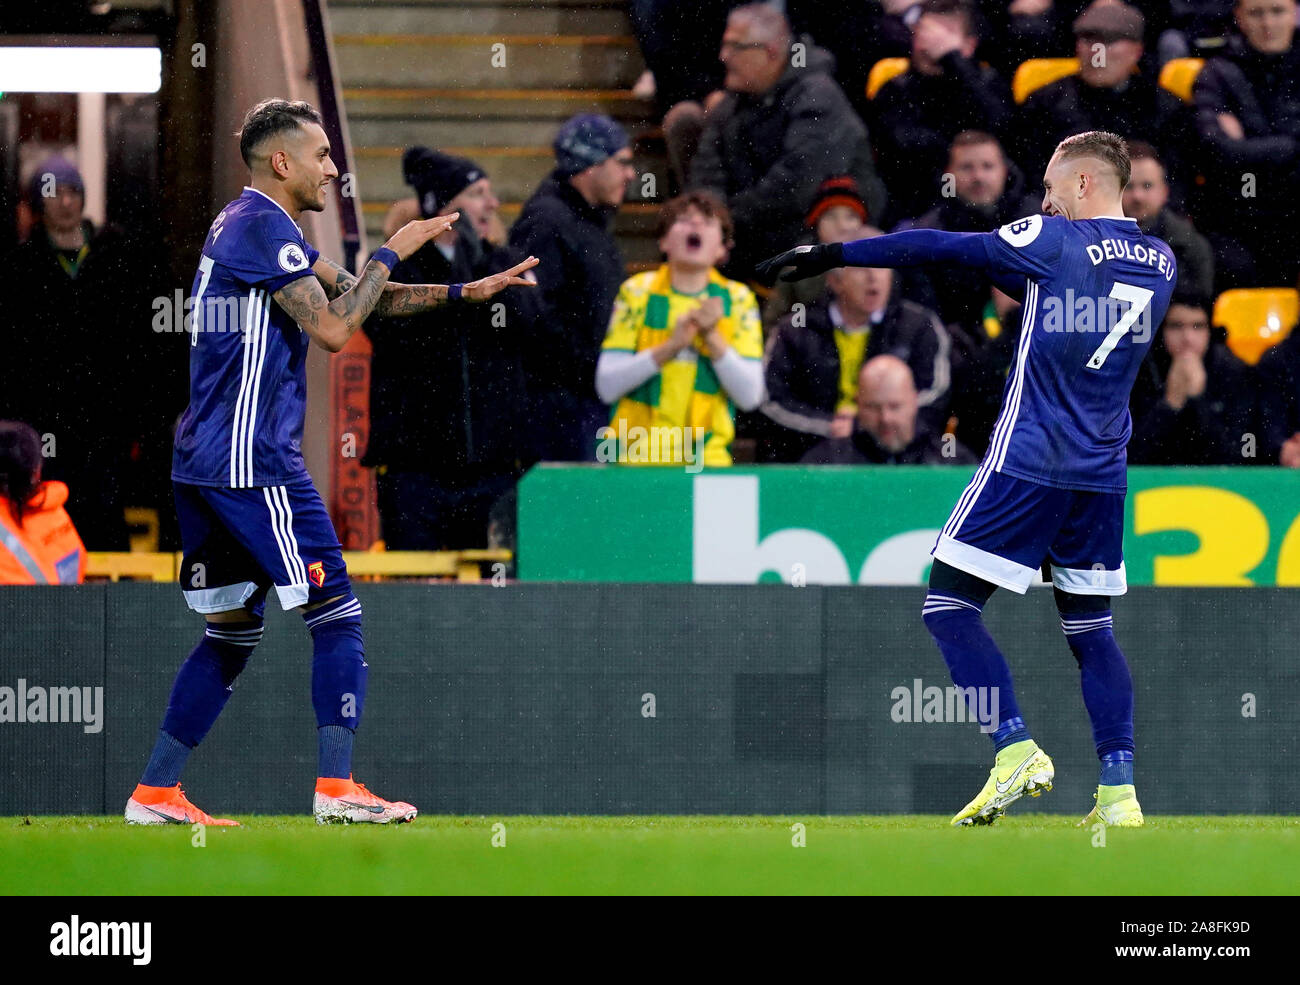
{"x":776,"y":131}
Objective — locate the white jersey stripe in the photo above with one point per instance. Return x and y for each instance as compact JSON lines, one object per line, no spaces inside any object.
{"x":1006,"y":422}
{"x":961,"y":500}
{"x":235,"y":444}
{"x":300,"y":567}
{"x":293,"y":567}
{"x":250,"y":431}
{"x":1031,"y":306}
{"x":273,"y":508}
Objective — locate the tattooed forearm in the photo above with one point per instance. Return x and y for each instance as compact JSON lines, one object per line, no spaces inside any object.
{"x":343,"y":281}
{"x":332,"y":323}
{"x":356,"y":303}
{"x":396,"y":300}
{"x":399,"y":300}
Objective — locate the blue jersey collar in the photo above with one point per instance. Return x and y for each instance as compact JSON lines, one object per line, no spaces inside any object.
{"x":250,"y":188}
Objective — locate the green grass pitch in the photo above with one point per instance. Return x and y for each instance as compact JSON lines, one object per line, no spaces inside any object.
{"x":1021,"y":854}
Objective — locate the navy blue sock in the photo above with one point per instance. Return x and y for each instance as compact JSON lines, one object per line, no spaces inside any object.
{"x":334,"y":743}
{"x":973,"y":659}
{"x":202,"y":687}
{"x":1107,"y":689}
{"x":338,"y":681}
{"x":1117,"y":768}
{"x":1010,"y":731}
{"x":165,"y":762}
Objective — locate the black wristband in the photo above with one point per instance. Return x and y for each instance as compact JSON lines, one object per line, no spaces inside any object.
{"x":454,"y":291}
{"x":833,"y":254}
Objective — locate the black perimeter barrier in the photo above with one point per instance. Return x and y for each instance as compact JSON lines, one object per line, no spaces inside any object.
{"x":653,"y":699}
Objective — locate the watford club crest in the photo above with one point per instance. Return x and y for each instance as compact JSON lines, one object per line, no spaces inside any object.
{"x":316,"y":572}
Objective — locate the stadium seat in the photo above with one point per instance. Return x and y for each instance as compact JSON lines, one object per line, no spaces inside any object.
{"x":1178,"y":75}
{"x":1256,"y":318}
{"x":464,"y":565}
{"x":139,"y":565}
{"x":883,"y":71}
{"x":143,"y":522}
{"x":1038,"y":72}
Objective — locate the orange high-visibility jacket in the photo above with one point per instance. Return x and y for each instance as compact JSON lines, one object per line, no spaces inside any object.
{"x":46,"y":549}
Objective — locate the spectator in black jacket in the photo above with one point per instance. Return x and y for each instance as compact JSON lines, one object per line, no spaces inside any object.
{"x":815,"y":355}
{"x":944,"y":92}
{"x":1248,"y":119}
{"x":1193,"y":402}
{"x":566,"y":224}
{"x":987,"y":191}
{"x":81,"y":363}
{"x":887,"y":430}
{"x":858,"y":35}
{"x":1278,"y":376}
{"x":1190,"y":26}
{"x":1146,"y":199}
{"x":783,"y":128}
{"x":1017,"y":30}
{"x":449,"y":414}
{"x":1105,"y":94}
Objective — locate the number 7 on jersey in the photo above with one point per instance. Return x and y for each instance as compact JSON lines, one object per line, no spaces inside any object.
{"x":1138,"y":298}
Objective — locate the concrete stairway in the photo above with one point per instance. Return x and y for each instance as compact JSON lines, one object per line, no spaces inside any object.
{"x":491,"y":80}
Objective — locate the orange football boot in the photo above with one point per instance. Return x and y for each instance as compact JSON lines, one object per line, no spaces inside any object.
{"x":339,"y":801}
{"x":168,"y":805}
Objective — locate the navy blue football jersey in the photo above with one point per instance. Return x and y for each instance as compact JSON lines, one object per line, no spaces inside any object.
{"x":1096,"y":291}
{"x":248,"y":385}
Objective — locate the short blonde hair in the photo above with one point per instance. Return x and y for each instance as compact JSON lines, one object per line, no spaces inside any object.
{"x":1109,"y":147}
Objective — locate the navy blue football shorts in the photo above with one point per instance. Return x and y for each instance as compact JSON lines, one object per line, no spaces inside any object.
{"x":238,"y":543}
{"x":1004,"y":528}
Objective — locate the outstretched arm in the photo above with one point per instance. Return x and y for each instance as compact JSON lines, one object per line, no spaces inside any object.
{"x":394,"y":299}
{"x":909,"y":248}
{"x":397,"y":300}
{"x":331,"y":323}
{"x":1026,"y":248}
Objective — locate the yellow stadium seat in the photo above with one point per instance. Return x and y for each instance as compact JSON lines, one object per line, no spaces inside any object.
{"x":143,"y":524}
{"x":883,"y":71}
{"x":140,"y":565}
{"x":1038,"y":72}
{"x":1256,"y":318}
{"x":1178,"y":75}
{"x":464,"y":565}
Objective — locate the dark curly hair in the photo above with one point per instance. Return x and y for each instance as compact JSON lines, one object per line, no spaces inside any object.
{"x":20,"y":465}
{"x":269,"y":118}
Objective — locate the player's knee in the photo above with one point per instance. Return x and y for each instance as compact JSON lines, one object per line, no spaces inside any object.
{"x":1081,"y":617}
{"x":340,"y":611}
{"x":233,"y":643}
{"x":949,"y":617}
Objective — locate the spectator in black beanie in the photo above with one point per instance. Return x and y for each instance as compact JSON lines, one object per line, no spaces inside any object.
{"x":77,"y":307}
{"x":448,"y":403}
{"x":566,"y":224}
